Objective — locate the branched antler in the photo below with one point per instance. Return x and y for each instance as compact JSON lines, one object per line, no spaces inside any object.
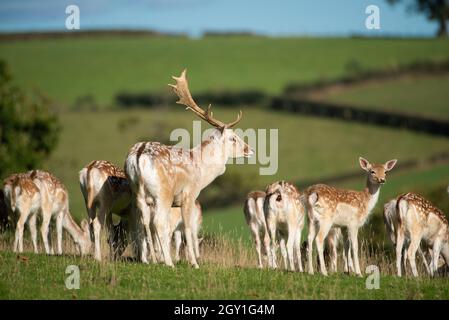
{"x":181,"y":88}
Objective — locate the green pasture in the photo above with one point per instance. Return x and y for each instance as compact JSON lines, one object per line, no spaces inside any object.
{"x":67,"y":68}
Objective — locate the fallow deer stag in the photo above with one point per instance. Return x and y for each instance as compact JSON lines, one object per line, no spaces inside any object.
{"x":164,"y":176}
{"x":23,"y":201}
{"x":395,"y":230}
{"x":55,"y":203}
{"x":255,"y":218}
{"x":420,"y":220}
{"x":284,"y":214}
{"x":328,"y":206}
{"x":106,"y":190}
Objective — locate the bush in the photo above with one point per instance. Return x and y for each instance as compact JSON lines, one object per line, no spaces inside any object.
{"x":28,"y":129}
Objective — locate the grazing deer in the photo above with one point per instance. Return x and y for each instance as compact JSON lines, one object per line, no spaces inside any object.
{"x":393,"y":227}
{"x":284,"y":214}
{"x":164,"y":176}
{"x":55,"y":203}
{"x":421,"y":220}
{"x":328,"y":206}
{"x":255,"y":218}
{"x":23,"y":200}
{"x":106,"y":190}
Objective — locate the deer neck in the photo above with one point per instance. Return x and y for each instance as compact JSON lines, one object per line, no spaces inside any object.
{"x":212,"y":160}
{"x":72,"y":228}
{"x":372,"y":190}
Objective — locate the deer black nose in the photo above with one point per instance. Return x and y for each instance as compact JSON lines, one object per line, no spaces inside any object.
{"x":382,"y":180}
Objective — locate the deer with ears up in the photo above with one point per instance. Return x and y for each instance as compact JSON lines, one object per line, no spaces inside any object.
{"x":328,"y":206}
{"x":163,"y":176}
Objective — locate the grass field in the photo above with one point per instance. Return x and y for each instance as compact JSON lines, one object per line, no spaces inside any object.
{"x":420,"y":95}
{"x":309,"y":148}
{"x":69,"y":68}
{"x":226,"y":273}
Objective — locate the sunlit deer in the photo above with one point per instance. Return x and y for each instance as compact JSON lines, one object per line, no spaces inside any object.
{"x":23,"y":201}
{"x":106,"y":190}
{"x":394,"y":229}
{"x":55,"y":203}
{"x":255,"y":218}
{"x":328,"y":206}
{"x":284,"y":214}
{"x":334,"y":238}
{"x":420,"y":220}
{"x":164,"y":176}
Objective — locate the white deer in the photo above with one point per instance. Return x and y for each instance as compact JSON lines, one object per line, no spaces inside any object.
{"x":284,"y":214}
{"x":164,"y":176}
{"x":23,"y":201}
{"x":255,"y":218}
{"x":394,"y":227}
{"x":55,"y":203}
{"x":329,"y":206}
{"x":420,"y":220}
{"x":106,"y":191}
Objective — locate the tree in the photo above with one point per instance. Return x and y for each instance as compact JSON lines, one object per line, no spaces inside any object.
{"x":28,"y":128}
{"x":434,"y":10}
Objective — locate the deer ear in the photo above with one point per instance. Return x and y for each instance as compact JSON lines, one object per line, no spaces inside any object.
{"x":364,"y":164}
{"x":390,"y":164}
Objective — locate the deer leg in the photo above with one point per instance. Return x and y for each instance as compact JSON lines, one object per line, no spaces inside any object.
{"x":196,"y":242}
{"x":283,"y":251}
{"x":424,"y":259}
{"x":45,"y":226}
{"x":33,"y":231}
{"x":399,"y":246}
{"x":186,"y":211}
{"x":161,"y":224}
{"x":271,"y":227}
{"x":291,"y":239}
{"x":435,"y":256}
{"x":266,"y":243}
{"x":355,"y":249}
{"x":256,"y":237}
{"x":298,"y":250}
{"x":310,"y":239}
{"x":178,"y":241}
{"x":321,"y":236}
{"x":332,"y":243}
{"x":413,"y":247}
{"x":18,"y":243}
{"x":145,"y":221}
{"x":59,"y":221}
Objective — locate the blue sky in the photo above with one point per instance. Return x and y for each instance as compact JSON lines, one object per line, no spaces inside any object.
{"x":271,"y":17}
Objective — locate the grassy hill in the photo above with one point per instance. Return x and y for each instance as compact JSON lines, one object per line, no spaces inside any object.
{"x":420,"y":95}
{"x":69,"y":68}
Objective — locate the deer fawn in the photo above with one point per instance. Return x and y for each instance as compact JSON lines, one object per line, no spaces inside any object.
{"x":23,"y":200}
{"x":255,"y":218}
{"x":284,"y":214}
{"x":419,"y":219}
{"x":328,"y":206}
{"x":106,"y":190}
{"x":393,"y":227}
{"x":164,"y":176}
{"x":55,"y":203}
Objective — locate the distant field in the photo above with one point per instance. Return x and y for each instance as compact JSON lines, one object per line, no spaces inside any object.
{"x":421,"y":95}
{"x":66,"y":69}
{"x":308,"y":147}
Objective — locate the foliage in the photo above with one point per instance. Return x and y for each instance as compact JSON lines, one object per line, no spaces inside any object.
{"x":433,"y":9}
{"x":28,"y":129}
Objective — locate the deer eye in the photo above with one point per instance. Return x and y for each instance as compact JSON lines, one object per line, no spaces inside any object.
{"x":279,"y":198}
{"x":372,"y":172}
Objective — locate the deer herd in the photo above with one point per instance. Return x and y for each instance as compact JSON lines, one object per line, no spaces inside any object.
{"x":155,"y":197}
